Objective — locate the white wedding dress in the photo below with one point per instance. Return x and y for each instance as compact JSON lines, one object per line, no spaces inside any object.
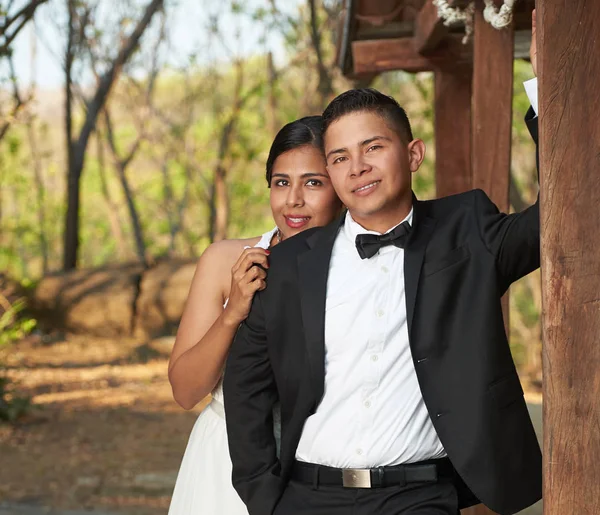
{"x":203,"y":484}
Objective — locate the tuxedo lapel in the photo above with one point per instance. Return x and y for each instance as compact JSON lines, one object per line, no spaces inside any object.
{"x":414,"y":253}
{"x":313,"y":270}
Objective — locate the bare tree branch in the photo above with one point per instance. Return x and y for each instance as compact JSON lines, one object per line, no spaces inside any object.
{"x":108,"y":79}
{"x":19,"y":101}
{"x":15,"y":24}
{"x":77,"y":147}
{"x":325,"y":87}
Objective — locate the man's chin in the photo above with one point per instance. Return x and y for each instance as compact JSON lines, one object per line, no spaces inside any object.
{"x":365,"y":209}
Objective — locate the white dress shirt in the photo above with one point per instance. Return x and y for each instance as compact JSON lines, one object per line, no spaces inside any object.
{"x":372,"y":412}
{"x":531,"y":88}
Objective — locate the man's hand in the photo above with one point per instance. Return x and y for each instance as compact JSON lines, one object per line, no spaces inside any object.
{"x":533,"y":47}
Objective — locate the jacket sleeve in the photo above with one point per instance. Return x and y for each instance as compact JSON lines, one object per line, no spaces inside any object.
{"x":513,"y":239}
{"x":250,"y":394}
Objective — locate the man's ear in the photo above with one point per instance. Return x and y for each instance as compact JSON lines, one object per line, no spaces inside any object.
{"x":416,"y":154}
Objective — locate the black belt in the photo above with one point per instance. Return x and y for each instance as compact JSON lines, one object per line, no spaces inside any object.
{"x":400,"y":475}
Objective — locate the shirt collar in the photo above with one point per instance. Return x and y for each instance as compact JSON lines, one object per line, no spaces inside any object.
{"x":353,"y":229}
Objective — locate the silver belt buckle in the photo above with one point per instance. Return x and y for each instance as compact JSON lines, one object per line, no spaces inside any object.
{"x":356,"y":478}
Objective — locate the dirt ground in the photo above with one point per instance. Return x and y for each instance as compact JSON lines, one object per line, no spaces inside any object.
{"x":105,"y":432}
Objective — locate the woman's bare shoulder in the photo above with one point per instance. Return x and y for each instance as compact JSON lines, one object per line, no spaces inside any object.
{"x":226,"y":252}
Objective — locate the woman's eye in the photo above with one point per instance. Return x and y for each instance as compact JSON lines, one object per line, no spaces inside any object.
{"x":314,"y":182}
{"x":281,"y":182}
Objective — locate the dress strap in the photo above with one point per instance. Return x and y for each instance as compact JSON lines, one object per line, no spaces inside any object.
{"x":265,"y":239}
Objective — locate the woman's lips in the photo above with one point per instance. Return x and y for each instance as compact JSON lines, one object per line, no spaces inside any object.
{"x":296,"y":222}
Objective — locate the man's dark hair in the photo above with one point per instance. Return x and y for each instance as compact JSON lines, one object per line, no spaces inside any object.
{"x":372,"y":101}
{"x":296,"y":134}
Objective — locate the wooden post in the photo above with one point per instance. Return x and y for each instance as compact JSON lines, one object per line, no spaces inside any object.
{"x":492,"y":123}
{"x":453,"y":130}
{"x":492,"y":112}
{"x":492,"y":108}
{"x":569,"y":69}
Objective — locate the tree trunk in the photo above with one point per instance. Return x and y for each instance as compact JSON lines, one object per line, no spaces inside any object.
{"x":40,"y":194}
{"x":77,"y":148}
{"x":272,"y":113}
{"x":325,"y":87}
{"x":136,"y":225}
{"x":71,"y":233}
{"x":112,"y":207}
{"x":121,"y":165}
{"x":221,"y":203}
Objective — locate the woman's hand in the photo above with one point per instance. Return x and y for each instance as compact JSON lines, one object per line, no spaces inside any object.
{"x":247,"y":277}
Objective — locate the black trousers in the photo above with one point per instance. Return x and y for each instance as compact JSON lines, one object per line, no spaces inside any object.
{"x":413,"y":499}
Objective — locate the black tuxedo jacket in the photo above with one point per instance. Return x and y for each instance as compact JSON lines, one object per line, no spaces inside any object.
{"x":461,"y":256}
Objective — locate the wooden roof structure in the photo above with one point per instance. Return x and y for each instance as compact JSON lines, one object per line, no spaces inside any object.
{"x":382,"y":35}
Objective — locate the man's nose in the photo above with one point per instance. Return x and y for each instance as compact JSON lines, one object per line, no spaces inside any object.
{"x":359,"y":167}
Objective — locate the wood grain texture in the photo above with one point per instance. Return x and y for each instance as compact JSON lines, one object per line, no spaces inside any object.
{"x":379,"y":55}
{"x":453,"y":130}
{"x":429,"y":29}
{"x":569,"y":70}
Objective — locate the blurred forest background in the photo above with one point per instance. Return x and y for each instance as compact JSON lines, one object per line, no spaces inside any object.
{"x":153,"y":144}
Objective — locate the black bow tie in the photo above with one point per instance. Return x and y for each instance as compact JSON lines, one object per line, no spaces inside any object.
{"x":369,"y":244}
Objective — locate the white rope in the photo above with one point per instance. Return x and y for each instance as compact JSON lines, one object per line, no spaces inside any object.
{"x":454,"y":15}
{"x":498,"y":18}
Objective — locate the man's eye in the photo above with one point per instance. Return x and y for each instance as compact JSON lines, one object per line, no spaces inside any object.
{"x":374,"y":147}
{"x":338,"y":160}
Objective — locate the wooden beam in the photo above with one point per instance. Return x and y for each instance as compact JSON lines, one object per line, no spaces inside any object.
{"x":492,"y":124}
{"x":568,"y":68}
{"x":375,"y":56}
{"x":429,"y":28}
{"x":453,"y":130}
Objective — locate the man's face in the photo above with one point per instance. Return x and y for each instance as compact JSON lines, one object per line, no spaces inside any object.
{"x":370,"y":166}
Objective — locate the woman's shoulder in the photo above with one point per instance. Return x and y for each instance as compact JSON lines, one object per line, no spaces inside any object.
{"x":226,"y":252}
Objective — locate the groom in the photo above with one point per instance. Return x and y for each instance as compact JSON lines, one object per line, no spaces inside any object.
{"x":382,"y":337}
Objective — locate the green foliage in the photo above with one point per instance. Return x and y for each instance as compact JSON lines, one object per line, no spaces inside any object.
{"x":14,"y":327}
{"x":12,"y":405}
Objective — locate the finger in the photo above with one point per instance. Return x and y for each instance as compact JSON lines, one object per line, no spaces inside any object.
{"x":240,"y":259}
{"x":255,"y":258}
{"x":244,"y":255}
{"x":254,"y":273}
{"x":259,"y":273}
{"x":252,"y":287}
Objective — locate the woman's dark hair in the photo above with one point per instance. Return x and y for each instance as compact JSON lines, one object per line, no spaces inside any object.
{"x":302,"y":132}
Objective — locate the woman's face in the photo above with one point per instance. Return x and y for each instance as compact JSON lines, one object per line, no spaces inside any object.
{"x":301,"y":193}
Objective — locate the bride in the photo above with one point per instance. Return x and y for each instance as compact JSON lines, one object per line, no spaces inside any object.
{"x":219,"y":300}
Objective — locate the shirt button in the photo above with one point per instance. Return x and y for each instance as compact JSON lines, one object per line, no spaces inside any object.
{"x":385,"y":269}
{"x":359,"y":451}
{"x":374,"y":357}
{"x":380,"y":313}
{"x":367,"y":404}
